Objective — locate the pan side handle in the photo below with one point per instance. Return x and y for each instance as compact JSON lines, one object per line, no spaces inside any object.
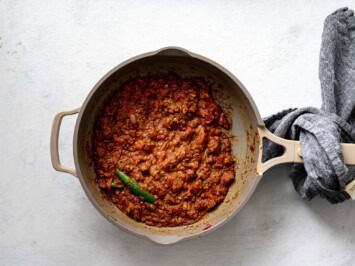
{"x":54,"y":142}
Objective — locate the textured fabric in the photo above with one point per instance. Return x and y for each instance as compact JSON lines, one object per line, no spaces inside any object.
{"x":320,"y":131}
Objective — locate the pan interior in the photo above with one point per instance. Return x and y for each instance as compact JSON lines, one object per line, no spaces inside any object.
{"x":228,"y":95}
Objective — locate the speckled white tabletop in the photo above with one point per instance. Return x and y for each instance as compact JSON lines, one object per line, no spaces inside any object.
{"x":53,"y":52}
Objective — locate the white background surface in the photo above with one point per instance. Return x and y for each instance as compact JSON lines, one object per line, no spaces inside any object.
{"x":53,"y":52}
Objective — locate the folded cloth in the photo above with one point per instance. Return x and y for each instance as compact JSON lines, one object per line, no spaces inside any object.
{"x":320,"y":131}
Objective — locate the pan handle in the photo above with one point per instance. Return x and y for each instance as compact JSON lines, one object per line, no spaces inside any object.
{"x":54,"y":142}
{"x":292,"y":154}
{"x":292,"y":151}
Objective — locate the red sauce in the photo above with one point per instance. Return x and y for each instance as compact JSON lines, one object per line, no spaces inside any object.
{"x":171,"y":137}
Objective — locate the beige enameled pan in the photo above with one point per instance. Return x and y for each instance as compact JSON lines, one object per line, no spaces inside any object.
{"x":248,"y":130}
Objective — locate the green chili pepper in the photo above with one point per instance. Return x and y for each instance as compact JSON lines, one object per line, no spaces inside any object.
{"x":116,"y":185}
{"x":135,"y":187}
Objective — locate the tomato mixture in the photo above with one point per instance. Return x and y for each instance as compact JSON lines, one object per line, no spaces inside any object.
{"x":168,"y":134}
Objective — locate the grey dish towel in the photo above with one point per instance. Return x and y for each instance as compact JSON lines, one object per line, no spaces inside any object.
{"x":320,"y":131}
